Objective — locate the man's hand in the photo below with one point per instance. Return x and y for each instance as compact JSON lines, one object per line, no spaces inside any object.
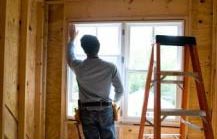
{"x":72,"y":32}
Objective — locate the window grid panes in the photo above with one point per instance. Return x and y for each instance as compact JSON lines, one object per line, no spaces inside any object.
{"x":140,"y":39}
{"x":110,"y":50}
{"x":130,"y":52}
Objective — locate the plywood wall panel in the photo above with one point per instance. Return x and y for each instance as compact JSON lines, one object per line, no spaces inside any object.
{"x":31,"y":72}
{"x":10,"y":125}
{"x":71,"y":131}
{"x":54,"y":71}
{"x":39,"y":74}
{"x":201,"y":28}
{"x":114,"y":10}
{"x":11,"y":56}
{"x":10,"y":68}
{"x":2,"y":49}
{"x":18,"y":31}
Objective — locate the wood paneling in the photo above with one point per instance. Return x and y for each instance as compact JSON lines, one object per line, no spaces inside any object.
{"x":17,"y":65}
{"x":23,"y":56}
{"x":39,"y":72}
{"x":201,"y":28}
{"x":54,"y":72}
{"x":2,"y":49}
{"x":71,"y":131}
{"x":200,"y":17}
{"x":77,"y":10}
{"x":132,"y":131}
{"x":9,"y":39}
{"x":27,"y":64}
{"x":11,"y":57}
{"x":10,"y":128}
{"x":30,"y":65}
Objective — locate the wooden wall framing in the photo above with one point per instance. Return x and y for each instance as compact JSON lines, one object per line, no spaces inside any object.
{"x":2,"y":49}
{"x":9,"y":67}
{"x":214,"y":68}
{"x":17,"y":68}
{"x":197,"y":14}
{"x":55,"y":48}
{"x":23,"y":56}
{"x":22,"y":31}
{"x":40,"y":79}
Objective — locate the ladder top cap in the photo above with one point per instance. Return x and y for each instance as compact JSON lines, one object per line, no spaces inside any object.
{"x":175,"y":40}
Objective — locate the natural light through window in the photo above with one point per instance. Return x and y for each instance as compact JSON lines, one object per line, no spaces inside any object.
{"x":128,"y":45}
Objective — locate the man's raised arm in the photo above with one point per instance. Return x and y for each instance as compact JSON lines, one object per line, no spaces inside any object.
{"x":70,"y":55}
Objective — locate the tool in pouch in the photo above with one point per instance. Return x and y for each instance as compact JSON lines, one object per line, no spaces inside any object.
{"x":116,"y":112}
{"x":77,"y":114}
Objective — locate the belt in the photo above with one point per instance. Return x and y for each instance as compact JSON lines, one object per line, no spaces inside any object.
{"x":95,"y":104}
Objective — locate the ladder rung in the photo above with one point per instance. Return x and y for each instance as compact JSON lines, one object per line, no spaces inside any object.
{"x":196,"y":127}
{"x":171,"y":82}
{"x":168,"y":82}
{"x":181,"y":112}
{"x":178,"y":73}
{"x":148,"y":136}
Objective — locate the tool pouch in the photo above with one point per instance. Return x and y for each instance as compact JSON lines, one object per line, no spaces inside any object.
{"x":116,"y":111}
{"x":77,"y":114}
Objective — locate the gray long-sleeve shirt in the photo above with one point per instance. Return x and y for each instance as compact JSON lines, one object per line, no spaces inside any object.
{"x":95,"y":77}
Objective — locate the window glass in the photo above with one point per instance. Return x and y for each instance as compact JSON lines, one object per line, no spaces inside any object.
{"x":136,"y":81}
{"x":130,"y":52}
{"x":109,"y":40}
{"x":110,"y":50}
{"x":141,"y":38}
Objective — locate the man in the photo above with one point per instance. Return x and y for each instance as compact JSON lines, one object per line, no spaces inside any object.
{"x":94,"y":77}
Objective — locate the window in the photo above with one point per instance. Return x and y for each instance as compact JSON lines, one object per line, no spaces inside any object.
{"x":128,"y":45}
{"x":109,"y":36}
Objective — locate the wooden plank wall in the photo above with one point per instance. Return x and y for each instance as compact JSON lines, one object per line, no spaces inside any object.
{"x":2,"y":49}
{"x":17,"y":64}
{"x":197,"y":14}
{"x":9,"y":66}
{"x":40,"y":72}
{"x":199,"y":21}
{"x":97,"y":10}
{"x":201,"y":28}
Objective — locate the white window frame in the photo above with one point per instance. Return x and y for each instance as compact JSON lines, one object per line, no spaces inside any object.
{"x":180,"y":23}
{"x":124,"y":61}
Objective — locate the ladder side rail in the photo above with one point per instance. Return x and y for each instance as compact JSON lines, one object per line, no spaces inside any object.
{"x":157,"y":96}
{"x":201,"y":93}
{"x":146,"y":95}
{"x":185,"y":90}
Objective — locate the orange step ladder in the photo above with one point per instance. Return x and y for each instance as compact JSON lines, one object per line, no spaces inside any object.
{"x":154,"y":70}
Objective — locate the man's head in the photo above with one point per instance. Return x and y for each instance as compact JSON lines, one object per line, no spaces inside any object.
{"x":90,"y":44}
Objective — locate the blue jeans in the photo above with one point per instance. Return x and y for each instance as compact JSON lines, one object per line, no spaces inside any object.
{"x":98,"y":124}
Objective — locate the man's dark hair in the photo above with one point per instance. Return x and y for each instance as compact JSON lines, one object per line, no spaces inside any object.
{"x":90,"y":44}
